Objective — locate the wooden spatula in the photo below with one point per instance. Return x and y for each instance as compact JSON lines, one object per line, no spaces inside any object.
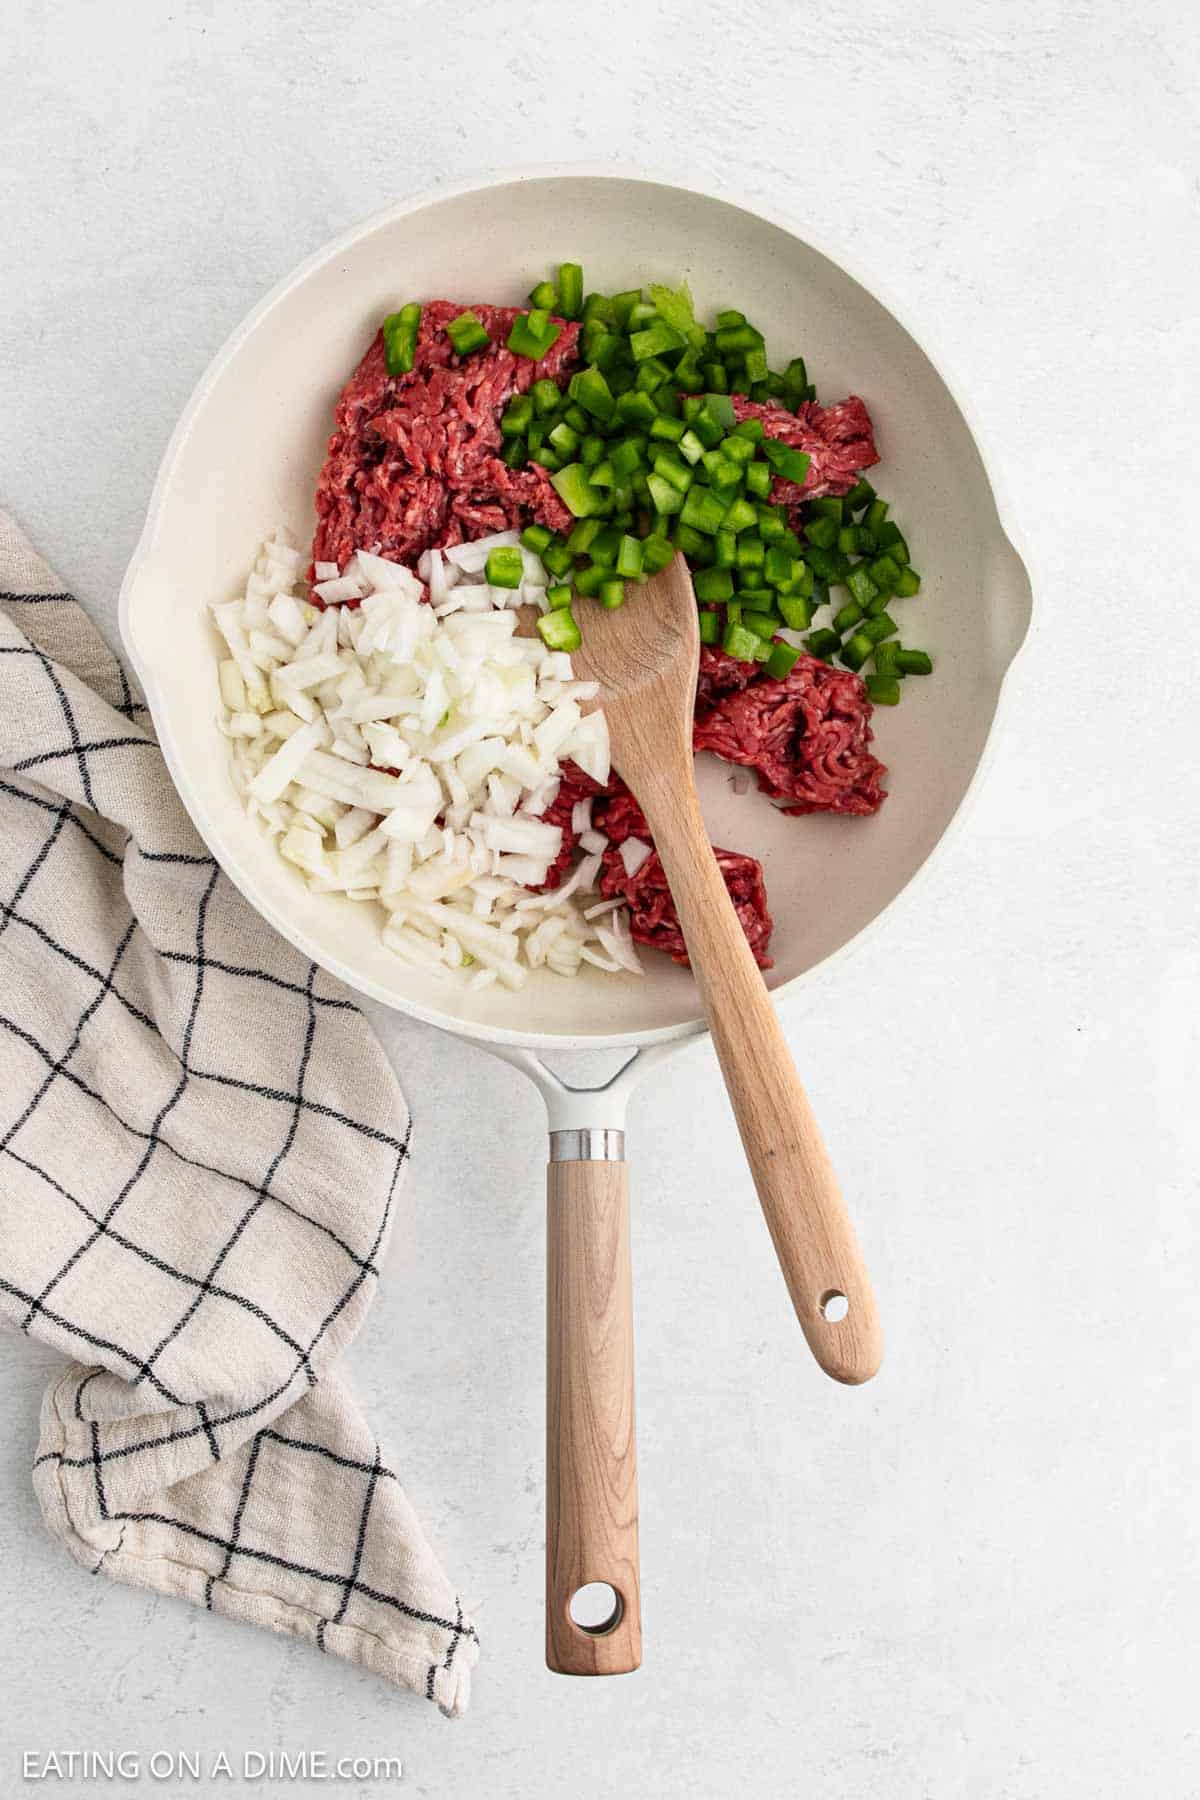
{"x":645,"y":656}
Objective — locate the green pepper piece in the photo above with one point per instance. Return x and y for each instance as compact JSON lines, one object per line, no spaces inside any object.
{"x":688,"y":374}
{"x":822,"y":531}
{"x":559,"y":595}
{"x":756,"y":367}
{"x":583,"y":534}
{"x":914,"y":662}
{"x":880,"y":627}
{"x":822,"y":643}
{"x":713,"y":584}
{"x":628,"y":455}
{"x":400,"y":339}
{"x":704,"y":510}
{"x":778,"y":567}
{"x":565,"y":441}
{"x":908,"y":583}
{"x":795,"y":610}
{"x":467,"y":334}
{"x":738,"y":337}
{"x":570,"y":290}
{"x":651,"y":375}
{"x":861,"y":586}
{"x":623,"y":304}
{"x":612,"y":594}
{"x":590,"y":390}
{"x":546,"y":395}
{"x":891,"y":539}
{"x":740,"y":643}
{"x":636,"y":408}
{"x":666,"y":496}
{"x":588,"y":580}
{"x":557,"y":558}
{"x":856,"y":650}
{"x":710,"y":627}
{"x":630,"y":558}
{"x":762,"y":624}
{"x":655,"y":340}
{"x":740,"y":516}
{"x":782,"y":661}
{"x":672,"y":470}
{"x":721,"y":473}
{"x":504,"y":567}
{"x":598,"y":306}
{"x":558,"y":630}
{"x":791,"y":464}
{"x":517,"y":417}
{"x":736,"y":449}
{"x":657,"y":552}
{"x":576,"y":490}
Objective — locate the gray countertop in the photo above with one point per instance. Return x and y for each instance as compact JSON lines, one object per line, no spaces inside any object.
{"x":978,"y":1575}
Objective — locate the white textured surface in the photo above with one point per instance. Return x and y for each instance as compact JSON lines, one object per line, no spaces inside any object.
{"x":978,"y":1576}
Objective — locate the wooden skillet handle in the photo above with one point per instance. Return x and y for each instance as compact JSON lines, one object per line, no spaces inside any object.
{"x":811,"y":1230}
{"x":591,"y":1447}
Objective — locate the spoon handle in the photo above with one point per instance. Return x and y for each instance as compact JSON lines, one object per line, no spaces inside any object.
{"x":811,"y":1230}
{"x":591,"y":1452}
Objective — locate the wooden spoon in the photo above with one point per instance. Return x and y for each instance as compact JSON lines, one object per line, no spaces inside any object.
{"x":645,"y":656}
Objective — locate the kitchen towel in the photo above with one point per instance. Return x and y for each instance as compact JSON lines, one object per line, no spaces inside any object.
{"x":201,"y":1146}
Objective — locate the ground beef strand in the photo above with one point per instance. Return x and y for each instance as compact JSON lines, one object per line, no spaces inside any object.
{"x":414,"y":460}
{"x":806,"y":737}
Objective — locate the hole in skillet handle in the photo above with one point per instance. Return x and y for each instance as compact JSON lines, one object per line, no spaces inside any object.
{"x":596,"y":1608}
{"x":834,"y":1306}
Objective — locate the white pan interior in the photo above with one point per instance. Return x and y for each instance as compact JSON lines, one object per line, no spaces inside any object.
{"x":246,"y":454}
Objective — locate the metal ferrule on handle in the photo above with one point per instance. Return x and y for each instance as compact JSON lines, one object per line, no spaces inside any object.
{"x":591,"y":1144}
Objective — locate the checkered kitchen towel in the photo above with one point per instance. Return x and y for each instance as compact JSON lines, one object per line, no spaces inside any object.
{"x":200,"y":1149}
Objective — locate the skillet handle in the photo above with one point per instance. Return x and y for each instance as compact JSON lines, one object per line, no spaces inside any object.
{"x":591,"y":1446}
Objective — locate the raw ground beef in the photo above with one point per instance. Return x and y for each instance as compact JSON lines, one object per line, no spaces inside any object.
{"x":414,"y":460}
{"x":414,"y":463}
{"x":838,"y":439}
{"x":652,"y":916}
{"x":805,"y":737}
{"x":574,"y":786}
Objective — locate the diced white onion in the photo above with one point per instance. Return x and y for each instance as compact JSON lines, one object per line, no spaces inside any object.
{"x":633,"y":854}
{"x":403,"y":754}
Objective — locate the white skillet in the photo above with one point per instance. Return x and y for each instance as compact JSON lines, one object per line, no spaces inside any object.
{"x":245,"y":456}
